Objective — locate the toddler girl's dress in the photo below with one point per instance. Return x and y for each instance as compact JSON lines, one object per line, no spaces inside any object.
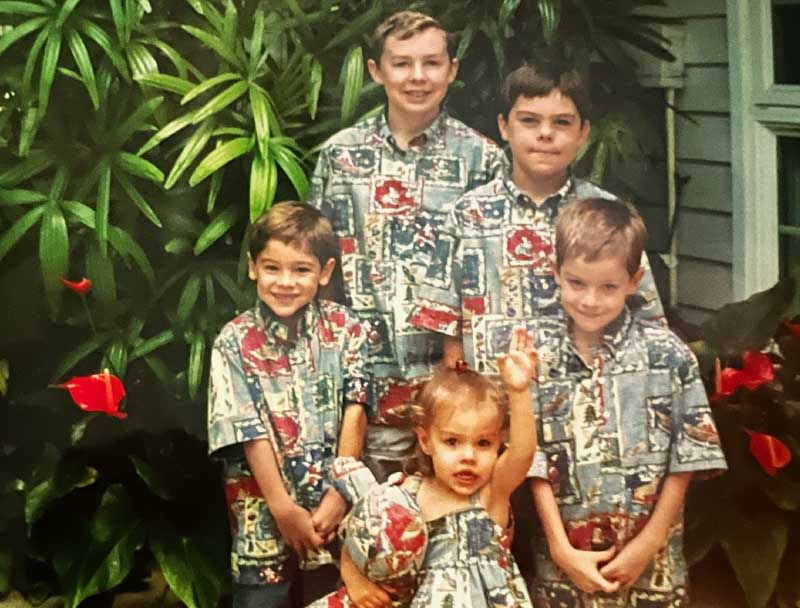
{"x":468,"y":563}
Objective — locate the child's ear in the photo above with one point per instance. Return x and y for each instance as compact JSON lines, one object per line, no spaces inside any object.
{"x":374,"y":71}
{"x":251,"y":268}
{"x":453,"y":70}
{"x":502,"y":126}
{"x":586,"y":128}
{"x":326,"y":272}
{"x":636,"y":279}
{"x":424,"y":439}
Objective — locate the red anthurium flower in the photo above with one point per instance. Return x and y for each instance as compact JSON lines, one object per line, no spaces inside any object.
{"x":81,"y":287}
{"x":97,"y":393}
{"x":771,"y":453}
{"x":794,"y":328}
{"x":756,"y":370}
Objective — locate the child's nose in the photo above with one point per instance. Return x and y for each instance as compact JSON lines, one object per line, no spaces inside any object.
{"x":468,"y":453}
{"x":285,"y":278}
{"x":417,"y":73}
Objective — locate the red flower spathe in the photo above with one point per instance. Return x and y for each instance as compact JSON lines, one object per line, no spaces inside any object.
{"x":756,"y":370}
{"x":81,"y":287}
{"x":97,"y":393}
{"x":771,"y":453}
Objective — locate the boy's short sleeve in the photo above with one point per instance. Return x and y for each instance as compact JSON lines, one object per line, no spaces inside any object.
{"x":319,"y":180}
{"x":355,"y":363}
{"x":695,"y":444}
{"x":233,"y":416}
{"x":439,"y":309}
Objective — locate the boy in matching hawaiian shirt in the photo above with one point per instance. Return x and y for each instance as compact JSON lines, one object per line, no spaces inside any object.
{"x":385,"y":183}
{"x":623,"y":421}
{"x":491,"y":265}
{"x":287,"y":390}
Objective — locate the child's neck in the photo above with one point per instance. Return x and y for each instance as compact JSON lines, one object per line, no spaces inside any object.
{"x":436,"y":499}
{"x":587,"y":344}
{"x":538,"y":188}
{"x":406,"y":127}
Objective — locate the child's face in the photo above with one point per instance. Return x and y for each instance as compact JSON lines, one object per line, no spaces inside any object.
{"x":415,"y":73}
{"x":463,"y":444}
{"x":544,"y":133}
{"x":287,"y":277}
{"x":593,"y":293}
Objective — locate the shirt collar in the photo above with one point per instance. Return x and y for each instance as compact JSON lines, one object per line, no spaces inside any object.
{"x":435,"y":132}
{"x":614,"y":337}
{"x":278,"y":330}
{"x":552,"y":203}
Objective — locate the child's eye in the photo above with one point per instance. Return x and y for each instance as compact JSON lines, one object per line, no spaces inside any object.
{"x":451,"y":442}
{"x":433,"y":62}
{"x":610,"y":287}
{"x":563,"y":122}
{"x":575,"y":283}
{"x":484,"y":443}
{"x":271,"y":268}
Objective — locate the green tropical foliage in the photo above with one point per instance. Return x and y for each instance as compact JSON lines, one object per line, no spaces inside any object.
{"x":137,"y":139}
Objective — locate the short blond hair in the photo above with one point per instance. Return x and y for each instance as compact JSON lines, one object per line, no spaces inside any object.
{"x":404,"y":25}
{"x":595,"y":227}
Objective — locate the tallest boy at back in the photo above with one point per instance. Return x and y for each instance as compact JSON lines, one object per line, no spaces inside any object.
{"x":386,"y":184}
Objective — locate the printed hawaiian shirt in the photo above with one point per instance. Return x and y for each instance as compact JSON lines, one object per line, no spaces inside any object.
{"x":609,"y":433}
{"x":293,"y":393}
{"x":386,"y":204}
{"x":491,"y":269}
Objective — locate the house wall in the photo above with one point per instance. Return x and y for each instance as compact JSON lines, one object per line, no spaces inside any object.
{"x":704,"y":233}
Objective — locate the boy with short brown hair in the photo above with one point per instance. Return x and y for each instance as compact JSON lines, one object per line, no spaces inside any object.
{"x":623,"y":423}
{"x":386,"y":183}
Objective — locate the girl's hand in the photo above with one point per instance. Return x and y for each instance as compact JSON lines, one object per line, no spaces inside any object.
{"x":632,"y":560}
{"x":363,"y":593}
{"x":518,"y":367}
{"x":583,"y":569}
{"x":297,"y":529}
{"x":328,"y":515}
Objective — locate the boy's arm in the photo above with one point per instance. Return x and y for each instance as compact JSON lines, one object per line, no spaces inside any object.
{"x":634,"y":557}
{"x":293,"y":521}
{"x":582,"y":567}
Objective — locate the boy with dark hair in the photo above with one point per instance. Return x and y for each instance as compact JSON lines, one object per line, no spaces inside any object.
{"x":491,"y":265}
{"x":623,"y":423}
{"x":385,"y":184}
{"x":287,"y":389}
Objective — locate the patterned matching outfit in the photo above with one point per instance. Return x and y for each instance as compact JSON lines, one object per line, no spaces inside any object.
{"x":609,"y":434}
{"x":490,"y":269}
{"x":386,"y":205}
{"x":293,"y":393}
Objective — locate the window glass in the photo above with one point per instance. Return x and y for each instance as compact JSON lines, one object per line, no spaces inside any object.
{"x":785,"y":41}
{"x":789,"y":210}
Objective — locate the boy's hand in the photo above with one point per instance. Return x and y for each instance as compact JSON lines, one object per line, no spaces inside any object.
{"x":518,"y":367}
{"x":328,"y":515}
{"x":297,"y":529}
{"x":583,"y":569}
{"x":363,"y":593}
{"x":631,"y":561}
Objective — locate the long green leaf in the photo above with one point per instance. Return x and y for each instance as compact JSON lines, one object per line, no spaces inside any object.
{"x":220,"y":157}
{"x":137,"y":198}
{"x":21,"y":197}
{"x":120,"y":21}
{"x":256,"y":40}
{"x":207,"y":85}
{"x":213,"y":189}
{"x":19,"y":228}
{"x":507,"y":9}
{"x":75,"y":356}
{"x":550,"y":12}
{"x":84,"y":63}
{"x":212,"y":42}
{"x":52,"y":49}
{"x":189,"y":295}
{"x":66,"y":10}
{"x":102,"y":208}
{"x":35,"y":163}
{"x":357,"y":26}
{"x":194,"y":145}
{"x":194,"y":372}
{"x":100,"y":269}
{"x":135,"y":165}
{"x":133,"y":123}
{"x":237,"y":296}
{"x":103,"y":40}
{"x":20,"y":31}
{"x":141,"y":60}
{"x":183,"y":66}
{"x":127,"y":247}
{"x":53,"y":254}
{"x":166,"y":82}
{"x":353,"y":81}
{"x":166,"y":132}
{"x":259,"y":104}
{"x":221,"y":101}
{"x":314,"y":87}
{"x":288,"y":162}
{"x":216,"y":229}
{"x":30,"y":126}
{"x":146,"y":347}
{"x":169,"y":550}
{"x":31,"y":61}
{"x":21,"y":8}
{"x":259,"y":186}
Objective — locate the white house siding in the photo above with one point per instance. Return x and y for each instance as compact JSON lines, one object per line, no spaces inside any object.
{"x":703,"y":156}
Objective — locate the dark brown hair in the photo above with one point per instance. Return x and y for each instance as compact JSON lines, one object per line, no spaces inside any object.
{"x":596,"y":227}
{"x":542,"y":79}
{"x":303,"y":226}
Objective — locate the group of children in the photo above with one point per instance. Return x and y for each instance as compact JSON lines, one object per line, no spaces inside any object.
{"x":501,"y":323}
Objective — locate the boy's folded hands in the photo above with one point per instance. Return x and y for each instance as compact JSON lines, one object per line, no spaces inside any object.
{"x":297,"y":528}
{"x":628,"y":565}
{"x":584,"y":569}
{"x":328,"y":515}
